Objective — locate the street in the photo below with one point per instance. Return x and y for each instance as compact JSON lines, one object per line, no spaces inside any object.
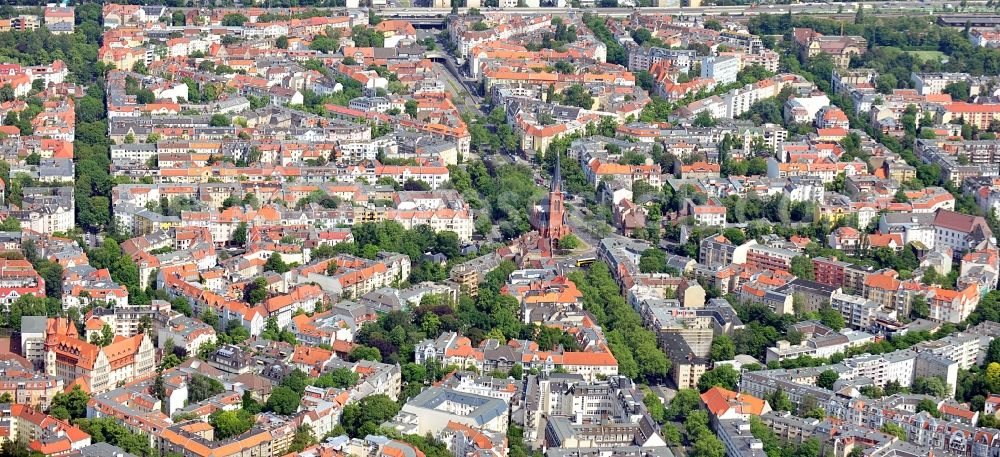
{"x":823,"y":8}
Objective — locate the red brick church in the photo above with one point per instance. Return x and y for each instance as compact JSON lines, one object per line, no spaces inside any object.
{"x":548,"y":217}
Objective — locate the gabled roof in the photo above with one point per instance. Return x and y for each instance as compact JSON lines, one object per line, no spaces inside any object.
{"x":719,"y":401}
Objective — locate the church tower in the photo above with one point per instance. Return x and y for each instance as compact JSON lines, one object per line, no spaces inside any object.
{"x":557,"y":211}
{"x":549,"y":216}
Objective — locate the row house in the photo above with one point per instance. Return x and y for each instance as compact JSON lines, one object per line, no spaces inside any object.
{"x":84,"y":286}
{"x":27,"y":386}
{"x":453,"y":349}
{"x":41,"y":433}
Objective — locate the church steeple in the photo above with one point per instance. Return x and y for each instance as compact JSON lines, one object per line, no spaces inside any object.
{"x":549,"y":217}
{"x":556,"y":185}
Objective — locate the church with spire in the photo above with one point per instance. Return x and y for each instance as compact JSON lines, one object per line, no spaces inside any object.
{"x":548,"y":217}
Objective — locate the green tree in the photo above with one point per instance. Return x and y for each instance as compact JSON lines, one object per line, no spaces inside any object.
{"x":517,"y":371}
{"x":274,"y":333}
{"x":893,"y":429}
{"x":703,"y":119}
{"x":276,"y":264}
{"x":282,"y":400}
{"x":107,"y":335}
{"x":724,"y":376}
{"x":220,"y":120}
{"x":250,"y":404}
{"x":365,"y":353}
{"x":930,"y":385}
{"x":110,"y":430}
{"x":296,"y":380}
{"x":228,"y":424}
{"x":919,"y":307}
{"x":240,"y":234}
{"x":671,"y":434}
{"x":364,"y":417}
{"x":497,"y":116}
{"x":410,"y":107}
{"x":992,"y":377}
{"x":302,"y":439}
{"x":201,"y":387}
{"x":802,"y":267}
{"x":708,"y":445}
{"x":570,"y":242}
{"x":577,"y":95}
{"x":993,"y":352}
{"x":654,"y":406}
{"x":928,"y":405}
{"x":11,"y":224}
{"x":722,"y":348}
{"x":653,"y":260}
{"x":685,"y":401}
{"x":209,"y":317}
{"x":327,"y":44}
{"x":342,"y":378}
{"x":958,"y":90}
{"x":827,"y":379}
{"x":234,"y":20}
{"x":257,"y":292}
{"x":695,"y":424}
{"x":182,"y":305}
{"x":52,"y":273}
{"x":831,"y":318}
{"x":780,"y":402}
{"x":70,"y":405}
{"x":815,"y":413}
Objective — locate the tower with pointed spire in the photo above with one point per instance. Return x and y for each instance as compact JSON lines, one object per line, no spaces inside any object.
{"x":549,"y":216}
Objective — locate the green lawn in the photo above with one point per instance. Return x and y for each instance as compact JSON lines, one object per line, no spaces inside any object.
{"x":928,"y":55}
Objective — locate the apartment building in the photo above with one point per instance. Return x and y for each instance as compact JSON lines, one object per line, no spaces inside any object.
{"x":935,"y":83}
{"x":47,"y":210}
{"x":434,"y":408}
{"x":721,"y":69}
{"x":979,"y":115}
{"x":642,"y":58}
{"x":829,"y":271}
{"x":186,"y":333}
{"x":26,"y":385}
{"x":858,"y":312}
{"x":196,"y":439}
{"x":769,"y":258}
{"x":40,"y":432}
{"x":453,"y":349}
{"x":959,"y":232}
{"x":17,"y":278}
{"x":952,"y":305}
